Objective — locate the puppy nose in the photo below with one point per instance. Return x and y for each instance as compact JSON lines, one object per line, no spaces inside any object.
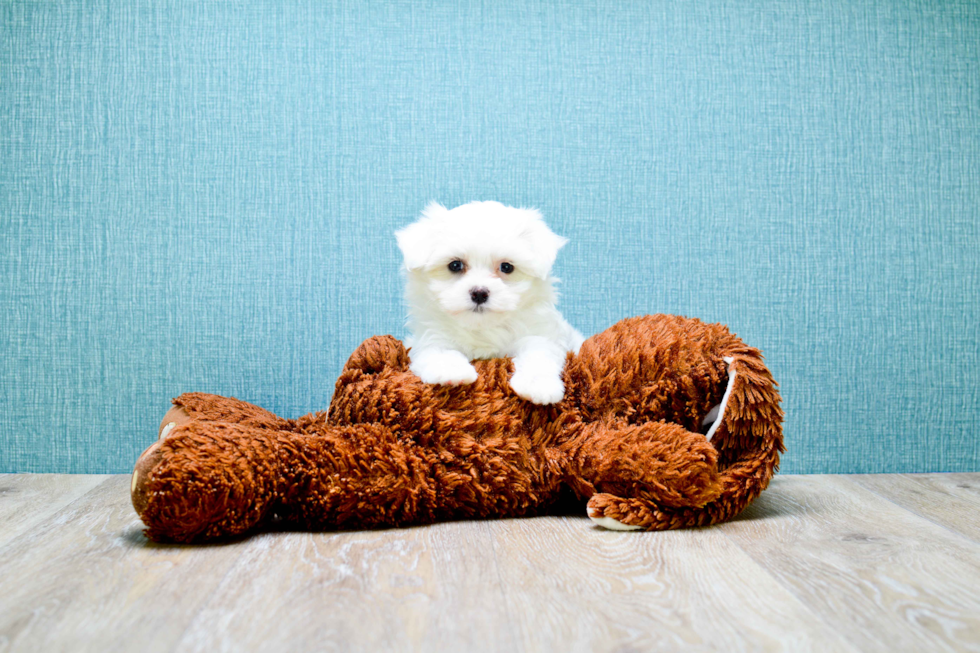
{"x":479,"y":295}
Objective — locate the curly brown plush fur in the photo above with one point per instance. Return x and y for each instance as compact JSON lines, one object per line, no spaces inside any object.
{"x":393,"y":450}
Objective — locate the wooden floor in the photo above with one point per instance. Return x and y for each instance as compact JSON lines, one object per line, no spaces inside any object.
{"x":822,"y":563}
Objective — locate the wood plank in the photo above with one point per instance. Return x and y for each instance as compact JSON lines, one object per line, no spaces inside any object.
{"x":85,"y":578}
{"x":951,"y":500}
{"x":885,"y":578}
{"x":572,"y":586}
{"x":430,"y":588}
{"x":27,"y":499}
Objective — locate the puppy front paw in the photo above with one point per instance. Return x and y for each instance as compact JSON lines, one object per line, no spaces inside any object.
{"x":445,"y":370}
{"x":542,"y":389}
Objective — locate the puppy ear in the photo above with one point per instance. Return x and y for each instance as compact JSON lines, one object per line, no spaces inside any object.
{"x":416,"y":240}
{"x":544,"y":245}
{"x":434,"y":210}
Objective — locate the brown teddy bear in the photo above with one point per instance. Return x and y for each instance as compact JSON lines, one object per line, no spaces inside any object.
{"x":667,"y":422}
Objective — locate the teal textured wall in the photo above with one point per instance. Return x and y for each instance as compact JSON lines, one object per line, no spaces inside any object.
{"x":201,"y":195}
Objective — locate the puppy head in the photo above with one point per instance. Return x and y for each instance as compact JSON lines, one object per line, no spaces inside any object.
{"x":480,"y":259}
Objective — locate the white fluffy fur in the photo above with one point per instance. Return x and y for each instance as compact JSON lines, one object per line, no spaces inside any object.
{"x":518,"y":319}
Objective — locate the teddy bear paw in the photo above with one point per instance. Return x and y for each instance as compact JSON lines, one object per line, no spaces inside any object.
{"x":608,"y":522}
{"x":602,"y":506}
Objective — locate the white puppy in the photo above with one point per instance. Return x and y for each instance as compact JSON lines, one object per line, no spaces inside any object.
{"x":479,"y":285}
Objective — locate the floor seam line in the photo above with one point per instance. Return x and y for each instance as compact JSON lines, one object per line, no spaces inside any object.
{"x":855,"y":646}
{"x":503,"y":589}
{"x":964,"y":536}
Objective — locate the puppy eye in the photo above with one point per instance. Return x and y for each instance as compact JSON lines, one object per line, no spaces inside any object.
{"x":456,"y":266}
{"x":506,"y":267}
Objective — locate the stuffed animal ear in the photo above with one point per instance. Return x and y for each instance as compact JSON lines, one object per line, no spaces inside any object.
{"x":543,"y":243}
{"x":416,"y":241}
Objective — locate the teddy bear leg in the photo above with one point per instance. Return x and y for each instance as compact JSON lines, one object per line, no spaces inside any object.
{"x":206,"y":407}
{"x":205,"y":480}
{"x":147,"y":460}
{"x":362,"y":476}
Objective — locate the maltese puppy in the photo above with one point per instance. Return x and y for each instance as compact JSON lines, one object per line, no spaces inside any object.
{"x":479,"y":285}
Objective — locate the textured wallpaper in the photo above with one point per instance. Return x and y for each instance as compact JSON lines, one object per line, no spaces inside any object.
{"x":201,"y":196}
